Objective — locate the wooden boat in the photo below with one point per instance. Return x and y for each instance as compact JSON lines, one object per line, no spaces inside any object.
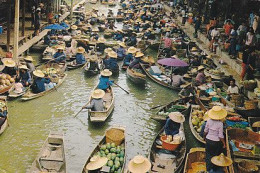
{"x":185,"y":111}
{"x":93,"y":1}
{"x":6,"y":89}
{"x":195,"y":155}
{"x":102,"y":142}
{"x":242,"y":138}
{"x":160,"y":82}
{"x":101,"y":116}
{"x":119,"y":18}
{"x":3,"y":120}
{"x":12,"y":94}
{"x":251,"y":121}
{"x":48,"y":53}
{"x":136,"y":77}
{"x":60,"y":67}
{"x":40,"y":46}
{"x":52,"y":156}
{"x":29,"y":95}
{"x":171,"y":161}
{"x":71,"y":66}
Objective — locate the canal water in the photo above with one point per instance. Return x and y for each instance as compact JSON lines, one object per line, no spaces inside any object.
{"x":30,"y":122}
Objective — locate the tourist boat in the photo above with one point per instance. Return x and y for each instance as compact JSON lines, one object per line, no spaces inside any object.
{"x":29,"y":95}
{"x":155,"y":79}
{"x":103,"y":141}
{"x":246,"y":142}
{"x":252,"y":120}
{"x":196,"y":157}
{"x":136,"y":77}
{"x":71,"y":66}
{"x":12,"y":94}
{"x":3,"y":120}
{"x":101,"y":116}
{"x":179,"y":105}
{"x":164,"y":160}
{"x":52,"y":155}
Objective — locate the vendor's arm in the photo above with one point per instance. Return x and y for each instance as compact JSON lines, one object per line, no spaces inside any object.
{"x":90,"y":106}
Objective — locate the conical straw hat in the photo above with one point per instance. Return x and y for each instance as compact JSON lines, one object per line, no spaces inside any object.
{"x":101,"y":40}
{"x":139,"y":54}
{"x":112,"y":54}
{"x":221,"y":160}
{"x":139,"y":164}
{"x":93,"y":58}
{"x":23,"y":67}
{"x":122,"y":44}
{"x":38,"y":73}
{"x":96,"y":162}
{"x":28,"y":58}
{"x":217,"y":113}
{"x":201,"y":67}
{"x":107,"y":50}
{"x":106,"y":72}
{"x":176,"y":117}
{"x":97,"y":94}
{"x":131,"y":50}
{"x":80,"y":50}
{"x":8,"y":62}
{"x":74,"y":27}
{"x":256,"y":124}
{"x":193,"y":49}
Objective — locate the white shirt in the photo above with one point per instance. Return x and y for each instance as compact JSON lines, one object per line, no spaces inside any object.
{"x":232,"y":90}
{"x":214,"y":33}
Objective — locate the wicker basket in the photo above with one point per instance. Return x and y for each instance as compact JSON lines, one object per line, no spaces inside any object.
{"x":247,"y":167}
{"x":114,"y":135}
{"x":250,"y":104}
{"x":237,"y":99}
{"x":250,"y":86}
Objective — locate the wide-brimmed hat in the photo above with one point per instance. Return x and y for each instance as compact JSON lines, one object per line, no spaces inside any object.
{"x":28,"y":58}
{"x":88,"y":25}
{"x":201,"y":67}
{"x":186,"y":76}
{"x":23,"y":67}
{"x":221,"y":160}
{"x":93,"y":58}
{"x":206,"y":116}
{"x":106,"y":72}
{"x":213,"y":93}
{"x":131,"y":50}
{"x":96,"y":162}
{"x":217,"y":113}
{"x":74,"y":27}
{"x":101,"y":40}
{"x":112,"y":54}
{"x":38,"y":73}
{"x":139,"y":54}
{"x":139,"y":164}
{"x":176,"y":117}
{"x":80,"y":50}
{"x":8,"y":62}
{"x":60,"y":48}
{"x":122,"y":44}
{"x":95,"y":30}
{"x":98,"y":93}
{"x":193,"y":49}
{"x":107,"y":50}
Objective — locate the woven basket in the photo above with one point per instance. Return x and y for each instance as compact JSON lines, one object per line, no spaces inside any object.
{"x":247,"y":167}
{"x":250,"y":86}
{"x":114,"y":135}
{"x":250,"y":104}
{"x":237,"y":99}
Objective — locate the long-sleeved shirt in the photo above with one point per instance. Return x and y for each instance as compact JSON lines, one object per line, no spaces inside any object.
{"x":120,"y":52}
{"x":118,"y":37}
{"x":134,"y":62}
{"x":111,"y":64}
{"x":25,"y":77}
{"x":200,"y":78}
{"x":214,"y":129}
{"x":129,"y":57}
{"x":177,"y":80}
{"x":30,"y":66}
{"x":38,"y":84}
{"x":96,"y":105}
{"x":104,"y":83}
{"x":171,"y":127}
{"x":59,"y":56}
{"x":80,"y":59}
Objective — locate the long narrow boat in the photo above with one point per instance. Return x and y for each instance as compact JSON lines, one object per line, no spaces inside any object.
{"x":160,"y":82}
{"x":167,"y":161}
{"x":136,"y":77}
{"x":88,"y":71}
{"x":3,"y":120}
{"x":103,"y":142}
{"x":195,"y":160}
{"x":12,"y":94}
{"x":74,"y":66}
{"x":29,"y":95}
{"x":101,"y":116}
{"x":52,"y":156}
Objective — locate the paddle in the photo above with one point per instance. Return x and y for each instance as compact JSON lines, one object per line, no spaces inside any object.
{"x":81,"y":109}
{"x":156,"y":107}
{"x":121,"y":88}
{"x":146,"y":48}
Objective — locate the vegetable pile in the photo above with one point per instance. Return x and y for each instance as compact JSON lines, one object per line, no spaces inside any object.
{"x":174,"y":108}
{"x":197,"y":119}
{"x":5,"y":81}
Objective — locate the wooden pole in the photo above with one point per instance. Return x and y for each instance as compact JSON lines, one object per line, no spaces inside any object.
{"x":16,"y":30}
{"x":71,"y":9}
{"x":8,"y":26}
{"x":23,"y":21}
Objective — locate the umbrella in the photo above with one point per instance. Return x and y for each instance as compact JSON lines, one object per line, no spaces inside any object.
{"x":172,"y":62}
{"x":55,"y":27}
{"x":64,"y":25}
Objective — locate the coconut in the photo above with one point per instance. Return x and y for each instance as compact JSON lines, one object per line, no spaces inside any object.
{"x":8,"y":77}
{"x":4,"y":76}
{"x":1,"y":87}
{"x":8,"y":83}
{"x":12,"y":80}
{"x":2,"y":81}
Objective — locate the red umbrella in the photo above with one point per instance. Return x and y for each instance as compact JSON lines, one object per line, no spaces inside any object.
{"x":172,"y":62}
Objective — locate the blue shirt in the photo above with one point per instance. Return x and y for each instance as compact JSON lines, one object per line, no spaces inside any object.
{"x":38,"y":85}
{"x":129,"y":57}
{"x":104,"y":83}
{"x":80,"y":59}
{"x":171,"y":127}
{"x":135,"y":62}
{"x":118,"y":37}
{"x":59,"y":56}
{"x":111,"y":64}
{"x":120,"y":52}
{"x":25,"y":77}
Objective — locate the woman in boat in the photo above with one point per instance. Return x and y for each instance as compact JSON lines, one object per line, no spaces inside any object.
{"x":213,"y":134}
{"x":121,"y":51}
{"x":96,"y":163}
{"x":101,"y":45}
{"x":137,"y":60}
{"x":93,"y":64}
{"x":29,"y":63}
{"x":111,"y":63}
{"x":118,"y":36}
{"x":200,"y":78}
{"x":97,"y":103}
{"x":18,"y":86}
{"x":139,"y":164}
{"x":104,"y":82}
{"x":38,"y":84}
{"x":74,"y":30}
{"x":59,"y":56}
{"x":24,"y":76}
{"x":132,"y":40}
{"x":219,"y":163}
{"x":9,"y":67}
{"x":80,"y":58}
{"x":130,"y":56}
{"x":173,"y":123}
{"x":233,"y":88}
{"x":177,"y":79}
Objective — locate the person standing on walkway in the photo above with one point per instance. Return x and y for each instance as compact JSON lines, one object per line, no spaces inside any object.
{"x":33,"y":16}
{"x":197,"y":26}
{"x":37,"y":23}
{"x":214,"y":39}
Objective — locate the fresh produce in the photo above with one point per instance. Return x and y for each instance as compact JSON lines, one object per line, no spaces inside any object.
{"x":49,"y":71}
{"x":5,"y":81}
{"x":197,"y":119}
{"x":173,"y":108}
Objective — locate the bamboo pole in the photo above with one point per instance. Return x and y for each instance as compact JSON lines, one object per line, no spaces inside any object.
{"x":16,"y":30}
{"x":8,"y":26}
{"x":71,"y":9}
{"x":23,"y":21}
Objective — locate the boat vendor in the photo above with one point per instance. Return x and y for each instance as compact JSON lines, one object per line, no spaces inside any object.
{"x":119,"y":12}
{"x":110,"y":13}
{"x":3,"y":113}
{"x":219,"y":163}
{"x":24,"y":76}
{"x":18,"y":86}
{"x":73,"y":30}
{"x":200,"y":78}
{"x":96,"y":163}
{"x":213,"y":134}
{"x":84,"y":43}
{"x":137,"y":60}
{"x":130,"y":56}
{"x":104,"y":82}
{"x":233,"y":88}
{"x":111,"y":63}
{"x":118,"y":36}
{"x":29,"y":63}
{"x":101,"y":45}
{"x":139,"y":164}
{"x":38,"y":84}
{"x":9,"y":67}
{"x":97,"y":103}
{"x":80,"y":58}
{"x":121,"y":51}
{"x":60,"y":56}
{"x":173,"y":123}
{"x":93,"y":64}
{"x":132,"y":40}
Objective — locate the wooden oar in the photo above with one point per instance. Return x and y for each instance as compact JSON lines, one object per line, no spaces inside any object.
{"x":81,"y":109}
{"x":121,"y":88}
{"x":146,"y":48}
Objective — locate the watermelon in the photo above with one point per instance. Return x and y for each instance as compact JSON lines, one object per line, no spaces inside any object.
{"x":110,"y":163}
{"x":122,"y":154}
{"x":108,"y":146}
{"x":118,"y":151}
{"x":103,"y":147}
{"x":113,"y":150}
{"x":113,"y":145}
{"x":106,"y":151}
{"x":117,"y":164}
